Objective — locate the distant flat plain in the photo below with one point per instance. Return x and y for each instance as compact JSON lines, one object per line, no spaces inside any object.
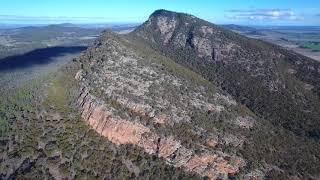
{"x":304,"y":40}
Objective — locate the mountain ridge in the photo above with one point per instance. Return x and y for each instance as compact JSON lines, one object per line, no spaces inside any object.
{"x":162,"y":113}
{"x":226,"y":51}
{"x":167,"y":96}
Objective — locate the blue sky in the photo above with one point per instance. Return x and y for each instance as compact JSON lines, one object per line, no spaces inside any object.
{"x":245,"y":12}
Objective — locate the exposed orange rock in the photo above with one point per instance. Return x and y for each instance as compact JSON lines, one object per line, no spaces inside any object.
{"x":117,"y":131}
{"x":150,"y":143}
{"x":121,"y":131}
{"x":199,"y":163}
{"x":167,"y":147}
{"x":211,"y":143}
{"x":218,"y":166}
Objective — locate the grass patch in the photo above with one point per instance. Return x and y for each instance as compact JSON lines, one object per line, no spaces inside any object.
{"x":4,"y":126}
{"x":59,"y":91}
{"x":312,"y":45}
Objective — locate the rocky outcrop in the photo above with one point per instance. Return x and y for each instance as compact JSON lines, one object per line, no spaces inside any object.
{"x":203,"y":46}
{"x":117,"y":130}
{"x":212,"y":164}
{"x":166,"y":27}
{"x":245,"y":122}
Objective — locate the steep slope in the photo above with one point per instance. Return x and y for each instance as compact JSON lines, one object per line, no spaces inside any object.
{"x":139,"y":97}
{"x":135,"y":95}
{"x":276,"y":84}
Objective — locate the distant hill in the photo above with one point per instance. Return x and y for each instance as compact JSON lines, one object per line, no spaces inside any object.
{"x":238,"y":27}
{"x":52,"y":31}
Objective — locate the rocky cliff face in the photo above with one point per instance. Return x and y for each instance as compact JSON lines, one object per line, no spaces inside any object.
{"x":213,"y":164}
{"x":260,"y":75}
{"x":186,"y":31}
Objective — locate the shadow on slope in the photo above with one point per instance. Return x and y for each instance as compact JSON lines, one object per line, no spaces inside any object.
{"x":37,"y":57}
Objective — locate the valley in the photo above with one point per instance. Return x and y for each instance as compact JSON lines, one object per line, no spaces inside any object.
{"x":18,"y":70}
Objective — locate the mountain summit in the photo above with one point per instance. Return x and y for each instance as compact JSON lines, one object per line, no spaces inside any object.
{"x":203,"y":99}
{"x":278,"y":85}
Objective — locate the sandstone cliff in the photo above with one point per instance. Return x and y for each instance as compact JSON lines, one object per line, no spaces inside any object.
{"x":210,"y":163}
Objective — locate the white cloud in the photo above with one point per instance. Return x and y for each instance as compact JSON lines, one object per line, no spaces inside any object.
{"x":263,"y":14}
